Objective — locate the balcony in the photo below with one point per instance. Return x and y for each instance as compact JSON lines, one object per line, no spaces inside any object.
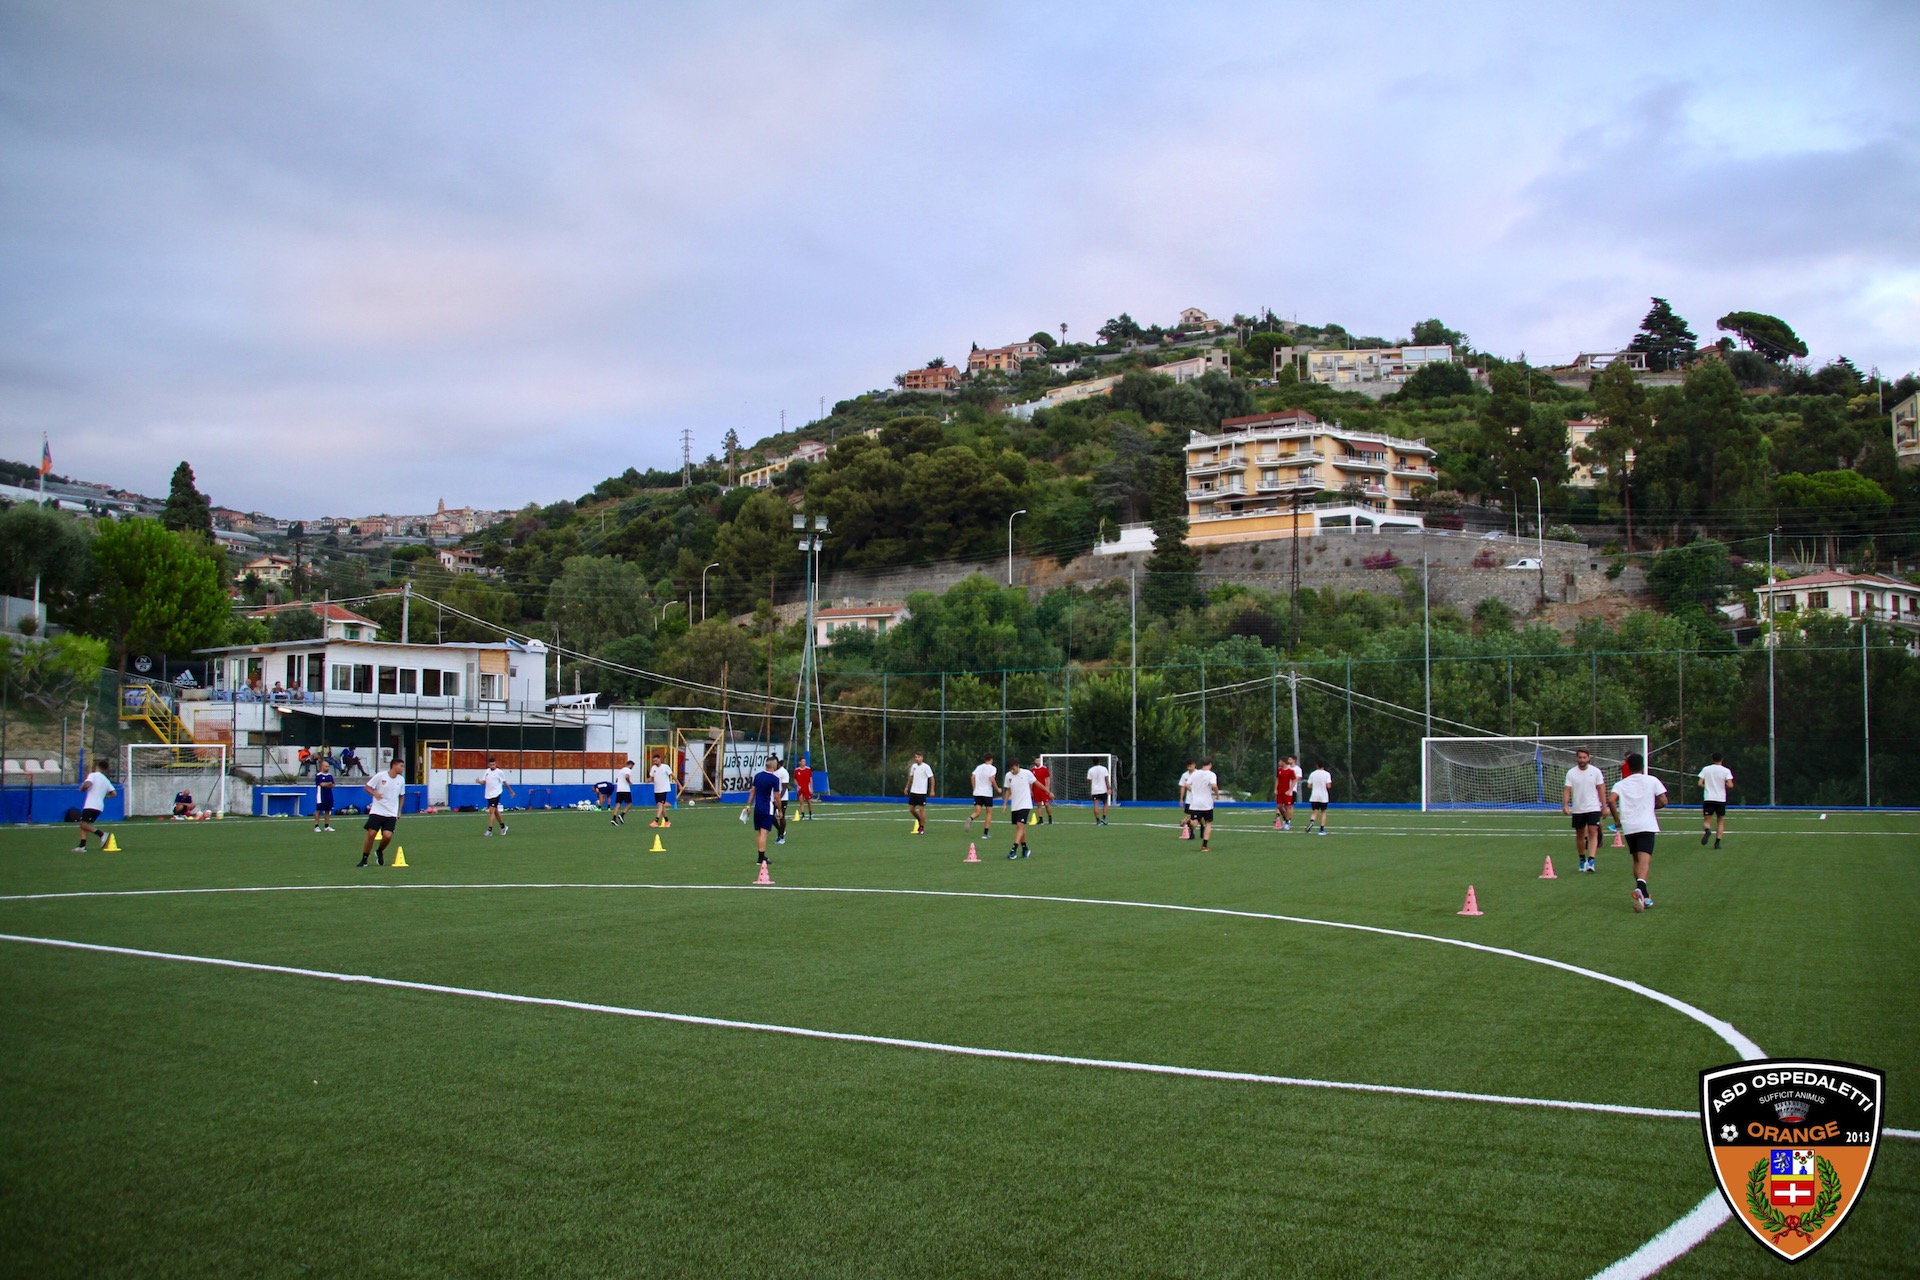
{"x":1305,"y":484}
{"x":1224,"y":491}
{"x":1232,"y":462}
{"x":1362,"y":462}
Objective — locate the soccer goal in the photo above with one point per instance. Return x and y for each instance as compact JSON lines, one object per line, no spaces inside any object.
{"x":155,"y":772}
{"x":1068,"y":782}
{"x":1512,"y":773}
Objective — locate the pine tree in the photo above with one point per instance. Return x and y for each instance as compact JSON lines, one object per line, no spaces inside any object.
{"x":1665,"y":337}
{"x":187,"y":509}
{"x":1172,"y":569}
{"x":731,"y":443}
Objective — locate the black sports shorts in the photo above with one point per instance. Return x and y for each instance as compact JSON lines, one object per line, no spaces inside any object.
{"x":1641,"y":841}
{"x":377,"y":822}
{"x":1714,"y":808}
{"x":1586,"y":820}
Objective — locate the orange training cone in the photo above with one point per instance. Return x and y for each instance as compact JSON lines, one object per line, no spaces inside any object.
{"x":973,"y":854}
{"x":1548,"y":873}
{"x":1186,"y":832}
{"x":764,"y":877}
{"x":1473,"y":906}
{"x":1619,"y":841}
{"x":1276,"y":822}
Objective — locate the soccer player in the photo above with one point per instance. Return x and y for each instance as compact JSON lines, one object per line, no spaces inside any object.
{"x":1580,"y":800}
{"x":1634,"y":802}
{"x":1019,"y":790}
{"x":603,"y":794}
{"x":985,"y":788}
{"x":1186,"y":814}
{"x":661,"y":776}
{"x":764,"y":786}
{"x":780,"y":803}
{"x":1099,"y":778}
{"x":323,"y":796}
{"x":622,"y":793}
{"x":349,"y":762}
{"x":1203,"y":784}
{"x":383,"y":811}
{"x":494,"y":780}
{"x":183,"y":804}
{"x":1285,"y":779}
{"x":919,"y":787}
{"x":803,"y":788}
{"x":1043,"y":789}
{"x":1319,"y":796}
{"x":98,"y":786}
{"x":1715,"y":781}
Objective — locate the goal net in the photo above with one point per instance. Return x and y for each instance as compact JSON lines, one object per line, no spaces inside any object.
{"x":1068,"y":781}
{"x":155,"y":773}
{"x":1513,"y":773}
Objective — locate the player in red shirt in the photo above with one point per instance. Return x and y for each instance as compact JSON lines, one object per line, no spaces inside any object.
{"x":1042,"y":791}
{"x":803,"y":788}
{"x":1285,"y":779}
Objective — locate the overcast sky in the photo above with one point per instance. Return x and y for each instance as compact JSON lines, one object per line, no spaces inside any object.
{"x":353,"y":257}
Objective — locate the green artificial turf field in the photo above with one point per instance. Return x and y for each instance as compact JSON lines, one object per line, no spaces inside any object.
{"x":175,"y":1119}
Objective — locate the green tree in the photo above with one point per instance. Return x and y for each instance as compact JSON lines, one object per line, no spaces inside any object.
{"x":597,"y":599}
{"x":1045,"y":339}
{"x":1832,"y":503}
{"x":1621,"y":402}
{"x":187,"y":509}
{"x":976,"y":625}
{"x":1436,"y":381}
{"x":40,"y":542}
{"x":1432,"y":333}
{"x":1257,"y":355}
{"x":296,"y":623}
{"x":1706,"y":454}
{"x":1665,"y":338}
{"x":757,"y":547}
{"x":153,"y":589}
{"x":1821,"y":440}
{"x":52,"y":674}
{"x":1769,"y":335}
{"x":1173,"y":569}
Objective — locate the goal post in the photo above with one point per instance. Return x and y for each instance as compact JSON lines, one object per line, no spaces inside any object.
{"x":1513,"y":773}
{"x":155,"y":772}
{"x":1068,"y":775}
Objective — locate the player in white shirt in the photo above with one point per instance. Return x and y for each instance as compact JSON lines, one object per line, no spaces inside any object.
{"x":1634,"y":802}
{"x":1099,"y":779}
{"x":1319,"y":796}
{"x":1203,"y":784}
{"x":495,"y":782}
{"x":1715,"y":781}
{"x":661,"y":776}
{"x":386,"y":791}
{"x":780,"y":802}
{"x":985,"y":787}
{"x":622,"y":793}
{"x":1186,"y":814}
{"x":96,"y":788}
{"x":1580,"y":800}
{"x":1019,"y":785}
{"x":919,"y":787}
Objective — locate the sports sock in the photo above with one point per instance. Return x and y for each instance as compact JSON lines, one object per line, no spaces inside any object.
{"x":1641,"y":885}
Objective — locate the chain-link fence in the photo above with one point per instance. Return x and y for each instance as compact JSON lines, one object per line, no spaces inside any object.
{"x":1799,"y":725}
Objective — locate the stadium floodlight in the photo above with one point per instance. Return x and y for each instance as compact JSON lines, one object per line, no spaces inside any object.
{"x":1513,"y":773}
{"x":155,"y":771}
{"x":1067,"y":780}
{"x":800,"y":523}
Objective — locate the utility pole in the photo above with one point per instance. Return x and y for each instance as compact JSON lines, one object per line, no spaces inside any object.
{"x":686,"y":457}
{"x":1540,"y":536}
{"x":1426,"y":636}
{"x":1293,"y":697}
{"x":1773,"y":642}
{"x":406,"y":608}
{"x":1133,"y":663}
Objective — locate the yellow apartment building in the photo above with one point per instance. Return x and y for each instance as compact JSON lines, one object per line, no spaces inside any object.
{"x":1261,"y":476}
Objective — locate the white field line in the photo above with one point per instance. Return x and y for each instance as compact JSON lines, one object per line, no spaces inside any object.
{"x":1676,"y":1240}
{"x":848,"y":1037}
{"x":1362,"y":827}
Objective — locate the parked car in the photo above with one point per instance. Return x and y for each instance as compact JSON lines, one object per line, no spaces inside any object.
{"x":1526,"y":562}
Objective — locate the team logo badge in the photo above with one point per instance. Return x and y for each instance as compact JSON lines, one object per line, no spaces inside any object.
{"x":1792,"y":1141}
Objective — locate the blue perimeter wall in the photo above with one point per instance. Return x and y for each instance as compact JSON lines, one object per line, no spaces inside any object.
{"x":50,"y":804}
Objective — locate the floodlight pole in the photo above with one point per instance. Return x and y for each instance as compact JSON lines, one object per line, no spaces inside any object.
{"x":1022,"y":511}
{"x":703,"y":589}
{"x":1293,"y":696}
{"x":1540,"y":537}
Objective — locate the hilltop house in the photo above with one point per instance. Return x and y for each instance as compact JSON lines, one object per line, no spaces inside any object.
{"x":942,"y":378}
{"x":272,"y":571}
{"x":1874,"y":596}
{"x":1254,"y":478}
{"x":1906,"y":431}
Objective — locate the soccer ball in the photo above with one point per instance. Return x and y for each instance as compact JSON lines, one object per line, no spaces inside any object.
{"x":1823,"y":817}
